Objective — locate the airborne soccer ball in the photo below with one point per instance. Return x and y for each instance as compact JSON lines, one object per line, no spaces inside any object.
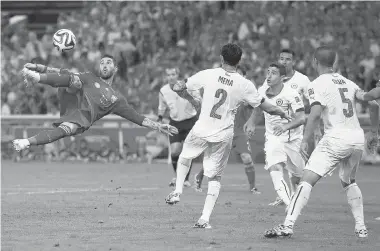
{"x":64,"y":40}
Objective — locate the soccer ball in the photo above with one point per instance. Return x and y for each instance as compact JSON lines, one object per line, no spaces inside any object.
{"x":64,"y":40}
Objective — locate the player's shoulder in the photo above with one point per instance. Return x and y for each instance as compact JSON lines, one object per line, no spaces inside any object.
{"x":290,"y":91}
{"x":165,"y":88}
{"x":303,"y":79}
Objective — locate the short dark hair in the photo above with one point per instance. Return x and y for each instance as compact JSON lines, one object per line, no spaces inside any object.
{"x":280,"y":68}
{"x":290,"y":51}
{"x":109,"y":56}
{"x":325,"y":56}
{"x":231,"y":54}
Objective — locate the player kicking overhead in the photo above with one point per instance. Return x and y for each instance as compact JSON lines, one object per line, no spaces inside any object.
{"x":241,"y":145}
{"x":182,"y":116}
{"x":84,"y":99}
{"x":282,"y":138}
{"x":333,"y":98}
{"x":224,"y":91}
{"x":298,"y":82}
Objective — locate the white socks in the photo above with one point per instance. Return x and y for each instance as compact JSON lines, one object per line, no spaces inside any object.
{"x":355,"y":200}
{"x":299,"y":200}
{"x":182,"y":171}
{"x":280,"y":186}
{"x":211,"y":198}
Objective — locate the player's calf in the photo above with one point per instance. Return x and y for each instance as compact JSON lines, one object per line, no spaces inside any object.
{"x":250,"y":171}
{"x":46,"y":136}
{"x":279,"y":183}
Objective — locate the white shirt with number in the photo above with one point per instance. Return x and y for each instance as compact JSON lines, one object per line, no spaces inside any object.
{"x":298,"y":82}
{"x":180,"y":109}
{"x":290,"y":101}
{"x":223,"y":93}
{"x":336,"y":94}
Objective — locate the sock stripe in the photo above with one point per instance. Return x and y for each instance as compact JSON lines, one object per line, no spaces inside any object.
{"x":295,"y":201}
{"x":286,"y":190}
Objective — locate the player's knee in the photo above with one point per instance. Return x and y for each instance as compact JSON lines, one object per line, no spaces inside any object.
{"x":246,"y":158}
{"x":345,"y":184}
{"x":217,"y":178}
{"x":184,"y":161}
{"x":69,"y":128}
{"x":276,"y":168}
{"x":176,"y":149}
{"x":310,"y":177}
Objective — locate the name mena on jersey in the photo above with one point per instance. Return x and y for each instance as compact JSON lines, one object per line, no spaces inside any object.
{"x":64,"y":40}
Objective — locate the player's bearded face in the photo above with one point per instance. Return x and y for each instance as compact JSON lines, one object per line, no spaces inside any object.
{"x":107,"y":68}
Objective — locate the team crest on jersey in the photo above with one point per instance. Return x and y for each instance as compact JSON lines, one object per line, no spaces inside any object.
{"x":294,"y":86}
{"x":311,"y":91}
{"x":298,"y":99}
{"x":279,"y":102}
{"x":97,"y":85}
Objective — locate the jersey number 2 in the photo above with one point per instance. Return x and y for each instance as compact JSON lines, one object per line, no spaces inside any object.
{"x":349,"y":112}
{"x":218,"y":93}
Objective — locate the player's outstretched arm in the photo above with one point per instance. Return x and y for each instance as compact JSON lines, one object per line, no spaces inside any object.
{"x":45,"y":69}
{"x":372,"y":139}
{"x":368,"y":96}
{"x":124,"y":110}
{"x":52,"y":79}
{"x":299,"y":119}
{"x":254,"y":119}
{"x":274,"y":110}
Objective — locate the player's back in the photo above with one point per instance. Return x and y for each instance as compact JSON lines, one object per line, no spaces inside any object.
{"x":337,"y":95}
{"x":223,"y":93}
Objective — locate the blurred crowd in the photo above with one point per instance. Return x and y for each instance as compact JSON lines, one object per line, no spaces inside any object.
{"x":146,"y":37}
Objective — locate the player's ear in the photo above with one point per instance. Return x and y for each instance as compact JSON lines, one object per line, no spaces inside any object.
{"x":115,"y":69}
{"x":221,"y":59}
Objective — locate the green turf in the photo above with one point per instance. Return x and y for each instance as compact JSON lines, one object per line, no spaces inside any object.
{"x":58,"y":207}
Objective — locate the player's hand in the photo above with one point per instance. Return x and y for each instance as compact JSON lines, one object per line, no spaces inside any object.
{"x":30,"y":77}
{"x":179,"y":86}
{"x":287,"y":116}
{"x":278,"y":130}
{"x":372,"y":142}
{"x":167,"y":129}
{"x":249,"y":129}
{"x":304,"y":151}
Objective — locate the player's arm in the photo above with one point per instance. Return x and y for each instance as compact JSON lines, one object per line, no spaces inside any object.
{"x":125,"y":110}
{"x":53,"y":79}
{"x":45,"y":69}
{"x":195,"y":101}
{"x":299,"y":116}
{"x":162,"y":106}
{"x":273,"y":110}
{"x":368,"y":96}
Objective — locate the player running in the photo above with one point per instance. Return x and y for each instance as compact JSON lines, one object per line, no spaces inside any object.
{"x":298,"y":82}
{"x":240,"y":143}
{"x":333,"y":98}
{"x":182,"y":116}
{"x":224,"y":91}
{"x":84,"y":99}
{"x":282,"y":138}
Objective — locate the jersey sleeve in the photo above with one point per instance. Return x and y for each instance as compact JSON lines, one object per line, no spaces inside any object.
{"x":251,"y":96}
{"x":305,"y":84}
{"x":125,"y":110}
{"x":295,"y":101}
{"x":162,"y":106}
{"x":316,"y":94}
{"x":196,"y":81}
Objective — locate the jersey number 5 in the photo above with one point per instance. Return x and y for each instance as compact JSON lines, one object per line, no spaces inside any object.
{"x":222,"y":94}
{"x":349,"y":112}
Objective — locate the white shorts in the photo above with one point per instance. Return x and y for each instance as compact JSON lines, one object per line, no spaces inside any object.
{"x":277,"y":151}
{"x":331,"y":153}
{"x":215,"y":157}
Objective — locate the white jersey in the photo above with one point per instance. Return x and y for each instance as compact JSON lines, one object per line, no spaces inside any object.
{"x":337,"y":95}
{"x":299,"y":82}
{"x":223,"y":93}
{"x":180,"y":109}
{"x":290,"y":101}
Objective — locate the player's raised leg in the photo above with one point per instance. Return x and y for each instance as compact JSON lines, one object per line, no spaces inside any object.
{"x":214,"y":161}
{"x":46,"y":136}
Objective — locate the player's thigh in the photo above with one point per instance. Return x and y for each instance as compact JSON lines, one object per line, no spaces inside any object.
{"x":295,"y":163}
{"x":349,"y":166}
{"x":327,"y":155}
{"x":193,"y":147}
{"x":216,"y":158}
{"x":176,"y":148}
{"x":274,"y":152}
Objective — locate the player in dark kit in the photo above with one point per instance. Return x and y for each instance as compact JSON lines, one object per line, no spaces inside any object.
{"x":84,"y":99}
